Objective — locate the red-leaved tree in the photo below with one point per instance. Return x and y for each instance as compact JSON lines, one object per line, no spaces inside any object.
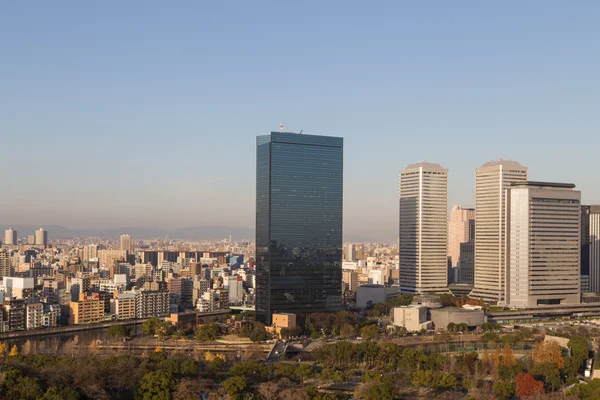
{"x":527,"y":385}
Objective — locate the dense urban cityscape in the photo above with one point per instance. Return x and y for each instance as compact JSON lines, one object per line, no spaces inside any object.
{"x":508,"y":288}
{"x":299,"y":200}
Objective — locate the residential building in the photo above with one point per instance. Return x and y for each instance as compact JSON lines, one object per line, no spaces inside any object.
{"x":543,"y":244}
{"x":18,"y":287}
{"x":35,"y":315}
{"x":350,"y":280}
{"x":90,"y":251}
{"x":52,"y":315}
{"x":299,"y":197}
{"x":123,"y":305}
{"x":424,"y":228}
{"x":235,"y":289}
{"x":108,"y":257}
{"x":5,"y":263}
{"x":14,"y":314}
{"x":87,"y":309}
{"x":200,"y":287}
{"x":151,"y":303}
{"x":491,"y":180}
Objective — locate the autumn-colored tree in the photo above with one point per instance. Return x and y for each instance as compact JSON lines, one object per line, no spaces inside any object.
{"x":527,"y":385}
{"x":495,"y":357}
{"x":507,"y":357}
{"x":14,"y":351}
{"x":158,"y":349}
{"x":3,"y":348}
{"x":548,"y":352}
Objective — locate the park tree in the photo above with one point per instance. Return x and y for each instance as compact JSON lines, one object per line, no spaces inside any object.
{"x":208,"y":332}
{"x":156,"y":385}
{"x":504,"y":389}
{"x":117,"y":331}
{"x":527,"y":385}
{"x":234,"y":386}
{"x":507,"y":359}
{"x":369,"y":332}
{"x":14,"y":351}
{"x":579,"y":346}
{"x":548,"y":352}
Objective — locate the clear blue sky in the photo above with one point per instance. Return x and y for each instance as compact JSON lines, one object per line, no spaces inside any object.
{"x":146,"y":113}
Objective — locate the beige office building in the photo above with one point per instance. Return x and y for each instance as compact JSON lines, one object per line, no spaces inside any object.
{"x":107,"y":257}
{"x":10,"y":237}
{"x":543,"y":244}
{"x":461,"y":229}
{"x":424,"y":228}
{"x":491,"y":180}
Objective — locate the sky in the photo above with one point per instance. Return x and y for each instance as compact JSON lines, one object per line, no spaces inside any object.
{"x":146,"y":113}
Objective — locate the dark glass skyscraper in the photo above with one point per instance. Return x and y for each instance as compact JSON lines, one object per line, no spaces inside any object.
{"x":299,"y":197}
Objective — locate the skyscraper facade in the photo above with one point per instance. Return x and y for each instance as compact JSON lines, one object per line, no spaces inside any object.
{"x":585,"y":249}
{"x":491,"y":180}
{"x":41,"y":237}
{"x":594,"y":240}
{"x":10,"y":236}
{"x":543,"y":244}
{"x":299,"y":200}
{"x":424,"y":228}
{"x":461,"y":229}
{"x":125,"y":242}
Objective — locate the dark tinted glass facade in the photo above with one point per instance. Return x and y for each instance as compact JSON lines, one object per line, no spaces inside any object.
{"x":299,"y":195}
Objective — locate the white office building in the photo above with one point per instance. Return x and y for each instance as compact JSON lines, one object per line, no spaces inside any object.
{"x":543,"y":244}
{"x":424,"y":228}
{"x":491,"y":180}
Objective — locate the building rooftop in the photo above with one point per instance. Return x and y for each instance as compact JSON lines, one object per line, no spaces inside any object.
{"x":504,"y":163}
{"x":427,"y":166}
{"x":545,"y":184}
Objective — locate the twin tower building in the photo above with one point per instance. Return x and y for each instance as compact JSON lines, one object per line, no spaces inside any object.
{"x":527,"y":234}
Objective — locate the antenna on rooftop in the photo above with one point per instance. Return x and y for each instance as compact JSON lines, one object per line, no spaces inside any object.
{"x":281,"y":127}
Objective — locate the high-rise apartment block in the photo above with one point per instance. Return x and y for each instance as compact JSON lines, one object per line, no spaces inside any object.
{"x":10,"y":237}
{"x":491,"y":180}
{"x":90,"y":251}
{"x":461,"y":229}
{"x":125,"y":243}
{"x":424,"y":228}
{"x":594,"y":242}
{"x":542,"y":244}
{"x":41,"y":237}
{"x":299,"y":199}
{"x":5,"y":263}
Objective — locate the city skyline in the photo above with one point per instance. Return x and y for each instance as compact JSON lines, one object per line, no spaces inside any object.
{"x":456,"y":79}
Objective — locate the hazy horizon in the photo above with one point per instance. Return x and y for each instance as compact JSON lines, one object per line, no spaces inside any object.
{"x":146,"y":114}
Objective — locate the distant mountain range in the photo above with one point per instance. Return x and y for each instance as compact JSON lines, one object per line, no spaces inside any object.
{"x":191,"y":233}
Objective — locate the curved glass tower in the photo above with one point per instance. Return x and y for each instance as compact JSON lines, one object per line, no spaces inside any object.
{"x":299,"y":203}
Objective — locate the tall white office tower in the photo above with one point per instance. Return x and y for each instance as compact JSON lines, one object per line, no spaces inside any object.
{"x":491,"y":180}
{"x":10,"y":236}
{"x":126,"y":243}
{"x":41,"y":237}
{"x":424,"y":228}
{"x":543,"y":222}
{"x":594,"y":241}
